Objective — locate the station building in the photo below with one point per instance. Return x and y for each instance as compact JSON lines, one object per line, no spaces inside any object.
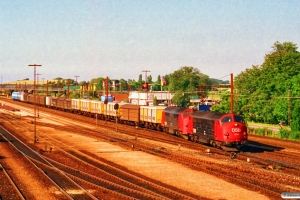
{"x":147,"y":98}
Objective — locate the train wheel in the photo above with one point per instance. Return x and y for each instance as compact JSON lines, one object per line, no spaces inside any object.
{"x":196,"y":139}
{"x":158,"y":128}
{"x":150,"y":126}
{"x":213,"y":144}
{"x":193,"y":138}
{"x":218,"y":144}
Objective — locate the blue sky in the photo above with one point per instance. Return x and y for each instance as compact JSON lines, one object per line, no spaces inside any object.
{"x":121,"y":38}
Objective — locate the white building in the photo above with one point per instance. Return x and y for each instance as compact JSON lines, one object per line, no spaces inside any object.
{"x":146,"y":98}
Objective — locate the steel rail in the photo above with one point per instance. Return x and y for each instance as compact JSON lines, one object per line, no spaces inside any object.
{"x":18,"y":191}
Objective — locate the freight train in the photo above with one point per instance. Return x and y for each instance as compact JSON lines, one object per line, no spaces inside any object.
{"x":223,"y":130}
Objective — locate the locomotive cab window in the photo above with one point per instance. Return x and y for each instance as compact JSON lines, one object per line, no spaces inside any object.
{"x":239,"y":119}
{"x":226,"y":120}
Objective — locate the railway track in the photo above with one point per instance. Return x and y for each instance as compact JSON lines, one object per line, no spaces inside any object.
{"x":114,"y":177}
{"x":225,"y":171}
{"x":237,"y":170}
{"x":132,"y":187}
{"x":10,"y":185}
{"x":54,"y":176}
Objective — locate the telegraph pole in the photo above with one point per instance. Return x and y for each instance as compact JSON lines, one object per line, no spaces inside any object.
{"x":47,"y":89}
{"x":106,"y":99}
{"x":76,"y":79}
{"x":231,"y":93}
{"x":38,"y":110}
{"x":34,"y":94}
{"x":289,"y":107}
{"x":38,"y":83}
{"x":145,"y":74}
{"x":68,"y":88}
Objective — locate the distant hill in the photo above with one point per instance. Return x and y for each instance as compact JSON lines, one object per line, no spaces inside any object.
{"x":217,"y":81}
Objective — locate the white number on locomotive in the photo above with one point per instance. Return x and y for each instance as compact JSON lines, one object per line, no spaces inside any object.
{"x":236,"y":130}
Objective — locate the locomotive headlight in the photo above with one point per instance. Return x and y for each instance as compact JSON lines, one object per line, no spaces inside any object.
{"x":236,"y":124}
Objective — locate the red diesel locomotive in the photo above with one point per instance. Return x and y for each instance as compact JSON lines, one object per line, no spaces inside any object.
{"x":223,"y":130}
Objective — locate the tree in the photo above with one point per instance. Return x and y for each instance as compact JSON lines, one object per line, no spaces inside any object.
{"x":184,"y":83}
{"x":149,"y":79}
{"x":225,"y":105}
{"x":133,"y":84}
{"x":156,"y":84}
{"x":295,"y":123}
{"x":263,"y":89}
{"x":155,"y":101}
{"x":158,"y":81}
{"x":123,"y":84}
{"x":140,"y":80}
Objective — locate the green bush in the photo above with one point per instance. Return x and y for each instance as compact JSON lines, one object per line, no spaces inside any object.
{"x":260,"y":131}
{"x":75,"y":95}
{"x":294,"y":135}
{"x":251,"y":130}
{"x":269,"y":132}
{"x":284,"y":133}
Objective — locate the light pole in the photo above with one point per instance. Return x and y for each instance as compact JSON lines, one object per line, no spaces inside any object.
{"x":38,"y":110}
{"x":77,"y":84}
{"x":94,"y":88}
{"x":34,"y":94}
{"x":38,"y":84}
{"x":106,"y":99}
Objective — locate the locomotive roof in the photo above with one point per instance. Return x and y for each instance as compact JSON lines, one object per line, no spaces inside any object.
{"x":175,"y":110}
{"x":207,"y":114}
